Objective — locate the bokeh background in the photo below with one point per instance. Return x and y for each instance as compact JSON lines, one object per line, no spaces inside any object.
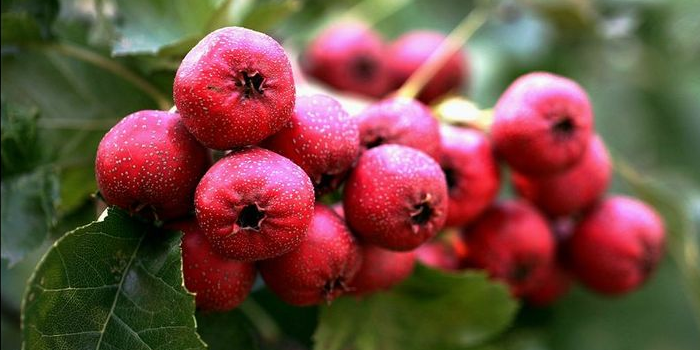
{"x":62,"y":89}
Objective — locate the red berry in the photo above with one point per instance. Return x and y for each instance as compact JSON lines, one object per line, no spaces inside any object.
{"x":348,"y":56}
{"x":471,"y":172}
{"x":513,"y":243}
{"x":439,"y":255}
{"x":412,"y":50}
{"x":321,"y":138}
{"x":320,"y":268}
{"x":572,"y":190}
{"x":150,"y":165}
{"x":234,"y":88}
{"x":381,"y":269}
{"x":554,"y":285}
{"x":542,"y":124}
{"x":219,"y":284}
{"x":396,"y":197}
{"x":400,"y":121}
{"x":254,"y":204}
{"x":617,"y":245}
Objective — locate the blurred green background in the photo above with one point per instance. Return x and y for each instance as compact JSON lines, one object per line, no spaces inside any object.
{"x":71,"y":69}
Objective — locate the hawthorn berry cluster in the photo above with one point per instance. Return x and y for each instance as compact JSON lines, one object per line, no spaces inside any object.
{"x":350,"y":56}
{"x":402,"y":175}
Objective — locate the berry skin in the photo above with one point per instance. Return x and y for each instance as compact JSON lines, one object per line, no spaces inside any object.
{"x":438,"y":255}
{"x":148,"y":164}
{"x":555,"y":284}
{"x":234,"y":88}
{"x":471,"y":172}
{"x":513,"y":243}
{"x":381,"y":269}
{"x":219,"y":284}
{"x":349,"y":56}
{"x":617,"y":245}
{"x":411,"y":50}
{"x":400,"y":121}
{"x":254,"y":204}
{"x":320,"y":268}
{"x":321,"y":138}
{"x":542,"y":124}
{"x":572,"y":190}
{"x":396,"y":197}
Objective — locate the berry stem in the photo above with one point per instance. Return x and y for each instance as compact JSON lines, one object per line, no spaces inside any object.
{"x":111,"y":66}
{"x":453,"y":43}
{"x":265,"y":324}
{"x":462,"y":112}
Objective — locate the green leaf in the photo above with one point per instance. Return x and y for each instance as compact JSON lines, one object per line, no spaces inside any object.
{"x":29,"y":203}
{"x":27,"y":20}
{"x":226,"y":331}
{"x":20,"y":150}
{"x":431,"y":310}
{"x":18,"y":28}
{"x":113,"y":284}
{"x":151,"y":26}
{"x":265,"y":14}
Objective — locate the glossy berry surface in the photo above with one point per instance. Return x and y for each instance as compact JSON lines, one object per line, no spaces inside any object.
{"x":471,"y":171}
{"x":513,"y":243}
{"x":381,"y":269}
{"x":219,"y":284}
{"x":396,"y":197}
{"x":321,"y":138}
{"x":572,"y":190}
{"x":148,"y":164}
{"x":400,"y":121}
{"x":234,"y":88}
{"x":542,"y":124}
{"x":320,"y":269}
{"x":412,"y":50}
{"x":617,"y":245}
{"x":349,"y":56}
{"x":254,"y":204}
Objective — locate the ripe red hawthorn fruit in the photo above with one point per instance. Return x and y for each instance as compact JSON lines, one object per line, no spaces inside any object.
{"x":616,"y":245}
{"x":513,"y":243}
{"x":400,"y":121}
{"x":471,"y":171}
{"x":321,"y":138}
{"x":542,"y":124}
{"x":219,"y":284}
{"x":555,"y":284}
{"x":396,"y":197}
{"x":320,"y":269}
{"x":381,"y":269}
{"x":148,"y":164}
{"x":234,"y":88}
{"x":254,"y":204}
{"x":445,"y":252}
{"x":348,"y":56}
{"x":572,"y":190}
{"x":410,"y":51}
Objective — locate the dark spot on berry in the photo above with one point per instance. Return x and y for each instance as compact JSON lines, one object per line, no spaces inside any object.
{"x":250,"y":218}
{"x":422,"y":213}
{"x":648,"y":260}
{"x":564,"y":127}
{"x":364,"y":68}
{"x":250,"y":84}
{"x":450,"y":178}
{"x":520,"y":272}
{"x":377,"y":141}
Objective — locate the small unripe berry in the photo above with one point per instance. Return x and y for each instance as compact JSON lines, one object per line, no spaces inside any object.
{"x":513,"y":243}
{"x":219,"y":284}
{"x":320,"y":269}
{"x":148,"y":164}
{"x":396,"y":197}
{"x":617,"y":245}
{"x":542,"y":124}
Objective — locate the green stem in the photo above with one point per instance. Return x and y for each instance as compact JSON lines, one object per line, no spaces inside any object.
{"x":269,"y":331}
{"x":453,"y":43}
{"x":111,"y":66}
